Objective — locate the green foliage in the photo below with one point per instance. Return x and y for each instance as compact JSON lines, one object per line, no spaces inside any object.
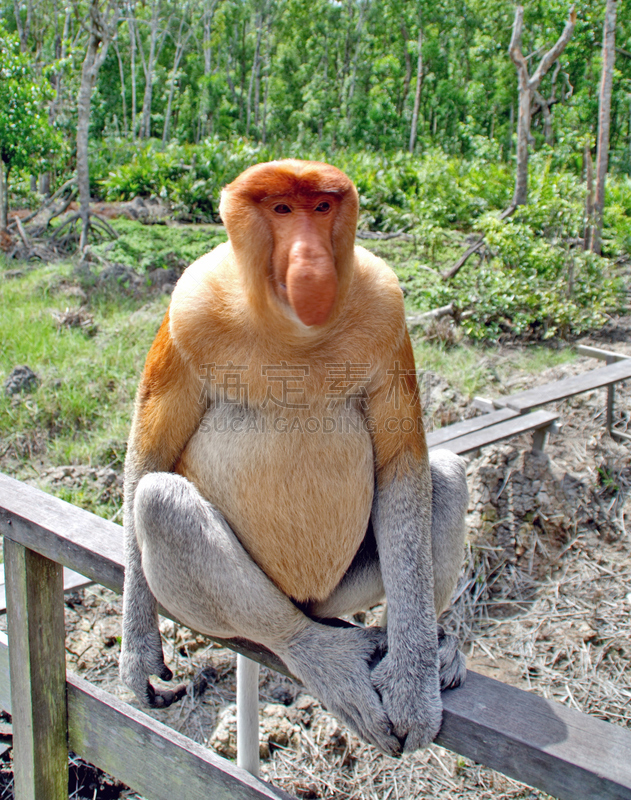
{"x":525,"y":286}
{"x":190,"y":176}
{"x":534,"y":279}
{"x":25,"y":135}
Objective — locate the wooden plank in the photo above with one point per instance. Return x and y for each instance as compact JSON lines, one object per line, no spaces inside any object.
{"x":37,"y":660}
{"x":122,"y":740}
{"x":559,"y":390}
{"x":570,"y":755}
{"x":540,"y":742}
{"x":62,"y":532}
{"x":154,"y":760}
{"x":503,"y":430}
{"x":437,"y":437}
{"x":481,"y":720}
{"x":85,"y":543}
{"x":72,"y":581}
{"x":595,"y":352}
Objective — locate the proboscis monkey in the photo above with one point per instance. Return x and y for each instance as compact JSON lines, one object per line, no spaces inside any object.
{"x":277,"y":474}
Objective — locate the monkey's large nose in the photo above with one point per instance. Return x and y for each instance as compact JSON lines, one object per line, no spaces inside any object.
{"x":311,"y":286}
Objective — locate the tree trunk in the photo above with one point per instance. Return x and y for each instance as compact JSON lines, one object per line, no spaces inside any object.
{"x":417,"y":93}
{"x":267,"y":67}
{"x":255,"y":68}
{"x":101,"y":32}
{"x":520,"y":195}
{"x":408,"y":70}
{"x":147,"y":99}
{"x":24,"y":30}
{"x":132,"y":47}
{"x":528,"y":85}
{"x":4,"y":197}
{"x":180,"y":47}
{"x":207,"y":20}
{"x":121,"y":72}
{"x":589,"y":197}
{"x":604,"y":118}
{"x":148,"y":65}
{"x":358,"y":48}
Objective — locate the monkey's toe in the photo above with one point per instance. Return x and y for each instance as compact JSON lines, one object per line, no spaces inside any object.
{"x":162,"y":698}
{"x":453,"y":666}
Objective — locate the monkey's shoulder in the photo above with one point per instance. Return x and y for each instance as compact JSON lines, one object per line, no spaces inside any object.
{"x":375,"y":299}
{"x":205,"y":301}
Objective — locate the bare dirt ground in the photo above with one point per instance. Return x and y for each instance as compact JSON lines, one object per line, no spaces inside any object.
{"x":543,"y":603}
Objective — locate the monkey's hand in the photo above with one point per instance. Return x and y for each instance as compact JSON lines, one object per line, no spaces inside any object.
{"x":334,"y":665}
{"x":141,"y":656}
{"x":410,"y":693}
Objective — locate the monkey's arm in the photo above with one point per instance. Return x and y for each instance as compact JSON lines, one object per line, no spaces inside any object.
{"x":168,"y":410}
{"x":408,"y":677}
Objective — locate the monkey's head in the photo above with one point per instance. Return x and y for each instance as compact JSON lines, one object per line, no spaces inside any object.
{"x":292,"y":229}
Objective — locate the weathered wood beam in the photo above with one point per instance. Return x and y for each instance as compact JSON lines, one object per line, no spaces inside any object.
{"x":568,"y":754}
{"x":35,"y":621}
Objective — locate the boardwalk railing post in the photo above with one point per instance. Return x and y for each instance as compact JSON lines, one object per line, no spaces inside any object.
{"x":35,"y":621}
{"x":248,"y":714}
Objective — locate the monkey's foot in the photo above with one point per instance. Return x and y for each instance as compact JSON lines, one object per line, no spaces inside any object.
{"x":453,"y":667}
{"x":142,"y":659}
{"x":335,"y":665}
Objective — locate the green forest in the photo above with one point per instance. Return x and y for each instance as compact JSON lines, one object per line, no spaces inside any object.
{"x":420,"y":103}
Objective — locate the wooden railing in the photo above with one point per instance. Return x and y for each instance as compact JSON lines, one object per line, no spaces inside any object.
{"x":567,"y":754}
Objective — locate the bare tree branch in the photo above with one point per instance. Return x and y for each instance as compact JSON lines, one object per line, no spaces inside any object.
{"x":551,"y":56}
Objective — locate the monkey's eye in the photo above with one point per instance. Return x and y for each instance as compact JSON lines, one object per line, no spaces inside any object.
{"x":323,"y":207}
{"x":281,"y":208}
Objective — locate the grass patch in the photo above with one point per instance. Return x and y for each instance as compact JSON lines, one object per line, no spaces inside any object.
{"x":81,"y":409}
{"x":471,"y":368}
{"x":148,"y":247}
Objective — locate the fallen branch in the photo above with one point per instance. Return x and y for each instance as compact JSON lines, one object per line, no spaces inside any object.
{"x":22,"y":232}
{"x":50,"y":200}
{"x":463,"y":259}
{"x":428,"y":316}
{"x":382,"y":237}
{"x":474,"y":248}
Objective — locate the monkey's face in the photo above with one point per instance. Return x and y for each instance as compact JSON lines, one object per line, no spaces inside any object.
{"x":292,"y":228}
{"x":303,"y":266}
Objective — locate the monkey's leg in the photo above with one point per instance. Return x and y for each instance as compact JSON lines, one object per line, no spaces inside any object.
{"x":450,"y":499}
{"x":197,"y":569}
{"x":362,"y":585}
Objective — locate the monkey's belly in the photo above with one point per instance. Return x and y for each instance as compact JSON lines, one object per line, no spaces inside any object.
{"x":296,"y":489}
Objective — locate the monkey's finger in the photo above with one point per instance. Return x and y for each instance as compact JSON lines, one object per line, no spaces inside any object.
{"x":165,"y":673}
